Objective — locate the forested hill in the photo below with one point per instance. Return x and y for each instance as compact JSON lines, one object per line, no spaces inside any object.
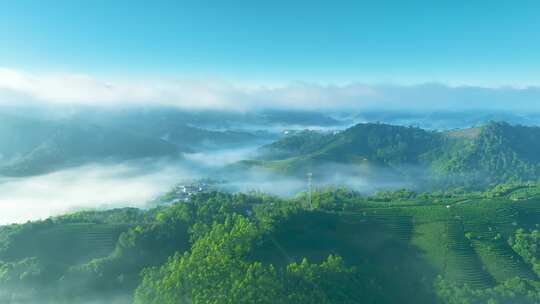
{"x":392,"y":247}
{"x":494,"y":153}
{"x":33,"y":147}
{"x":381,"y":144}
{"x":499,"y":152}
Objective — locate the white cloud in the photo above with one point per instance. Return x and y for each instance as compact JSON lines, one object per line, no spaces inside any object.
{"x":86,"y":187}
{"x":21,"y":87}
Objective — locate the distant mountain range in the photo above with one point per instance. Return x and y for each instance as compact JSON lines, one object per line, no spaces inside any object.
{"x":33,"y":143}
{"x":488,"y":154}
{"x":31,"y":146}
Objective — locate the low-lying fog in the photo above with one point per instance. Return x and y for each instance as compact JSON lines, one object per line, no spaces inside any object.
{"x":135,"y":183}
{"x":104,"y":185}
{"x":86,"y":187}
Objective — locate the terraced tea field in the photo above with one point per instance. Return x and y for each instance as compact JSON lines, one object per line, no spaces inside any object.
{"x":95,"y":239}
{"x":465,"y":241}
{"x":86,"y":239}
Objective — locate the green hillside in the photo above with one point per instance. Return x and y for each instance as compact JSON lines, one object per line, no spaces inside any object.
{"x":476,"y":157}
{"x":391,"y":247}
{"x":47,"y":146}
{"x":500,"y":153}
{"x":298,"y":144}
{"x":30,"y":146}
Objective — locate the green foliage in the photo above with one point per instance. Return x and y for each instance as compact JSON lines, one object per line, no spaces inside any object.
{"x":388,"y":196}
{"x":209,"y":273}
{"x":37,"y":256}
{"x":256,"y":248}
{"x":328,"y":282}
{"x":515,"y":291}
{"x":298,"y":144}
{"x":501,"y":153}
{"x":335,"y":199}
{"x":493,"y":154}
{"x":26,"y":271}
{"x":527,"y":245}
{"x":217,"y":271}
{"x":383,"y":144}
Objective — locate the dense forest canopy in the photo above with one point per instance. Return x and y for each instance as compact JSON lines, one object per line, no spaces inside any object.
{"x":403,"y":246}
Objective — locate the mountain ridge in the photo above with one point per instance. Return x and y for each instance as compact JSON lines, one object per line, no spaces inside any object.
{"x":496,"y":152}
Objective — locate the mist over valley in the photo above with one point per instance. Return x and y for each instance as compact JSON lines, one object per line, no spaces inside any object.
{"x":269,"y":152}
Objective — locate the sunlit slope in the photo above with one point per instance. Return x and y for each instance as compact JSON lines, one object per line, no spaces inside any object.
{"x":371,"y":144}
{"x":410,"y":243}
{"x":376,"y":243}
{"x":64,"y":241}
{"x":400,"y":241}
{"x":467,"y":241}
{"x":495,"y":153}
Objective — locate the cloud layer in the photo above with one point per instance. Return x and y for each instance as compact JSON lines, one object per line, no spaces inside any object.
{"x":87,"y":187}
{"x":23,"y":88}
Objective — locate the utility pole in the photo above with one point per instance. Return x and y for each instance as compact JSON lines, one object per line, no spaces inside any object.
{"x":310,"y":182}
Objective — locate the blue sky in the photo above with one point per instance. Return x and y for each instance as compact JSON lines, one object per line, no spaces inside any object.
{"x":407,"y":42}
